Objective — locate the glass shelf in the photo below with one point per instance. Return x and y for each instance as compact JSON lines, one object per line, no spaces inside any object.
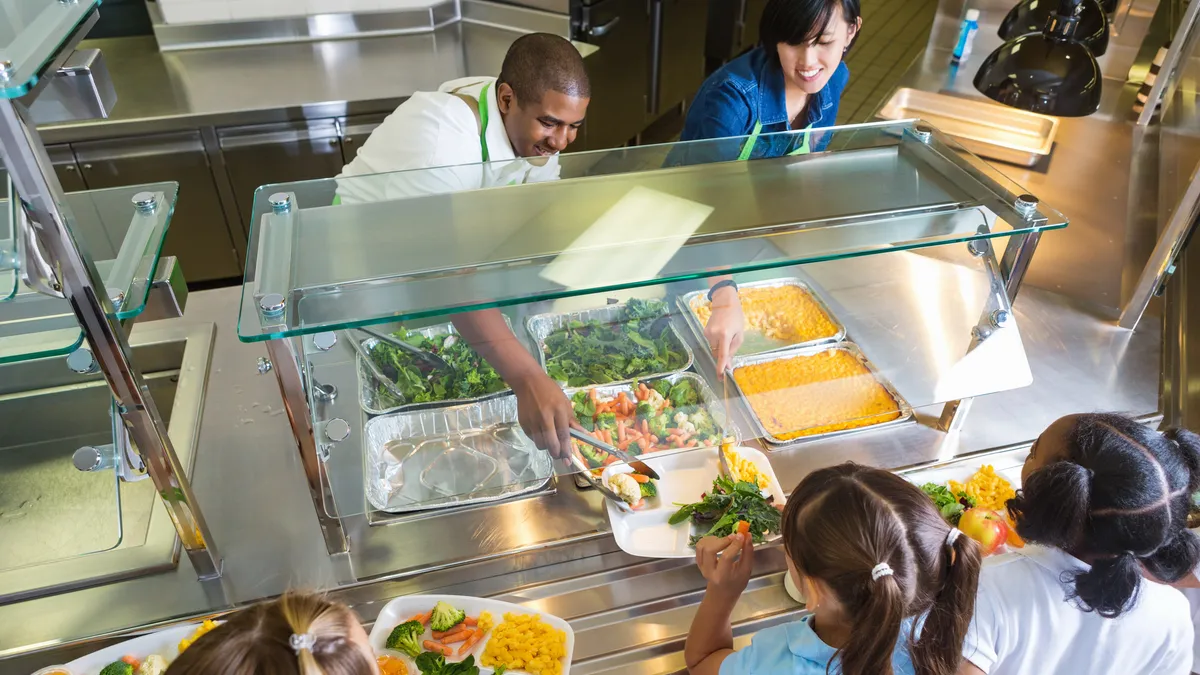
{"x":922,"y":319}
{"x":612,"y":220}
{"x":125,"y":241}
{"x":8,"y":244}
{"x":31,"y":33}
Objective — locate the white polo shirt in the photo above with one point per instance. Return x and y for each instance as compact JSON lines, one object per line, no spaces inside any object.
{"x":1193,"y":596}
{"x":438,"y":132}
{"x":1025,"y":625}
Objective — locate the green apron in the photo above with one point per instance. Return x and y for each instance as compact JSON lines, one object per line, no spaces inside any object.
{"x":483,"y":124}
{"x":748,"y":147}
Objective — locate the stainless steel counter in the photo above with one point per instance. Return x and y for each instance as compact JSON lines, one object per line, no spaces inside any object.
{"x":551,"y":552}
{"x":159,"y":91}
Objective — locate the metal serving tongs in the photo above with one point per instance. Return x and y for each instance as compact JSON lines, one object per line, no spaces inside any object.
{"x":429,"y":359}
{"x":726,"y":437}
{"x":374,"y":370}
{"x":579,"y":465}
{"x":626,"y":458}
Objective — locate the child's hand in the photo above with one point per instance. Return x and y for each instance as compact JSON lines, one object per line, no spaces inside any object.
{"x":726,"y":563}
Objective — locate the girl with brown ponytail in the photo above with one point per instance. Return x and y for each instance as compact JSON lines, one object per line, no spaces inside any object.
{"x":891,"y":586}
{"x":298,"y":634}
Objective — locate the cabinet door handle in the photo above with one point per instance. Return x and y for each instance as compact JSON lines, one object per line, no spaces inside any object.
{"x":603,"y":29}
{"x":333,"y":141}
{"x":87,"y":167}
{"x":69,"y":167}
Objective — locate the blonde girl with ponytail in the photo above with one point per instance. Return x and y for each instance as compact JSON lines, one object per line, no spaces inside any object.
{"x":298,"y":634}
{"x":890,"y":585}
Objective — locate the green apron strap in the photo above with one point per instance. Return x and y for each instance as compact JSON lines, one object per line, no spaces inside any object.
{"x":483,"y":120}
{"x":337,"y":200}
{"x":748,"y":146}
{"x":805,"y":147}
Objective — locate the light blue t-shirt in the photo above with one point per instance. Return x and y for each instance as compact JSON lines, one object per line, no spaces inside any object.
{"x":795,"y":649}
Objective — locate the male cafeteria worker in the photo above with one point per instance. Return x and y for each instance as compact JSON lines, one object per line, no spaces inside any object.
{"x":792,"y":80}
{"x":518,"y":123}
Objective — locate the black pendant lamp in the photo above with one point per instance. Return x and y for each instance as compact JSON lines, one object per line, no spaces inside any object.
{"x":1049,"y":72}
{"x":1031,"y":16}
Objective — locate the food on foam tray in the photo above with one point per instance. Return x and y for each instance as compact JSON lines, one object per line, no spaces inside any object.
{"x":204,"y":628}
{"x":659,"y":417}
{"x":130,"y":665}
{"x":978,"y":507}
{"x":731,"y":506}
{"x":742,"y":470}
{"x":633,"y":488}
{"x":594,"y":352}
{"x":524,"y":642}
{"x":815,"y":394}
{"x":989,"y":489}
{"x":434,"y":636}
{"x":472,"y":377}
{"x":787,"y":313}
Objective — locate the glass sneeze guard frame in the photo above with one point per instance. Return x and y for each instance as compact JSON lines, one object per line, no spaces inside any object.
{"x":890,"y":190}
{"x":333,"y":267}
{"x":124,"y":229}
{"x":35,"y":31}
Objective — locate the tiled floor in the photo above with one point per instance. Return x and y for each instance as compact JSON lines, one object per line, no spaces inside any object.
{"x":894,"y":34}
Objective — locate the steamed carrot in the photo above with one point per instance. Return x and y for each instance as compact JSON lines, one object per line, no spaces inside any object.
{"x":643,"y":444}
{"x":742,"y":527}
{"x":610,"y":460}
{"x":645,"y":427}
{"x":620,"y":431}
{"x":423,"y":618}
{"x":471,"y":621}
{"x":466,"y":646}
{"x":640,"y":478}
{"x":594,"y":396}
{"x":443,"y":634}
{"x":432,"y":646}
{"x":692,"y":443}
{"x":458,"y":637}
{"x":624,"y":445}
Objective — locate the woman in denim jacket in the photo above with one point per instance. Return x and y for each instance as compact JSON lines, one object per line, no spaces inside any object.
{"x":793,"y":80}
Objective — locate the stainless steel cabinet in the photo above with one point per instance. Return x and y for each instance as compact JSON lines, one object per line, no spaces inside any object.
{"x":199,"y":236}
{"x":619,"y":72}
{"x":277,"y":153}
{"x":63,"y":159}
{"x":354,"y":131}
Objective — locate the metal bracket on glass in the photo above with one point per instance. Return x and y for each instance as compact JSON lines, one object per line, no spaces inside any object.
{"x":1170,"y":67}
{"x":271,"y":276}
{"x":1162,"y":259}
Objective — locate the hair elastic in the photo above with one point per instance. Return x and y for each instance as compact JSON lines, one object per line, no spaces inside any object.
{"x":881,"y":570}
{"x":952,"y":536}
{"x":301,"y":641}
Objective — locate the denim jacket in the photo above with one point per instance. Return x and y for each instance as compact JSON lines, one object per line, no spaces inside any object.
{"x":750,"y":89}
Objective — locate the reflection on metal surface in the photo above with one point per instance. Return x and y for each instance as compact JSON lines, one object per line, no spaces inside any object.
{"x":66,"y":509}
{"x":986,"y":129}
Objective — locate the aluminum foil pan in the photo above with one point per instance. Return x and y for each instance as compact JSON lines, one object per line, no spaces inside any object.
{"x":468,"y":454}
{"x":368,"y":390}
{"x":906,"y":413}
{"x":542,"y":325}
{"x":760,"y":344}
{"x":708,"y":399}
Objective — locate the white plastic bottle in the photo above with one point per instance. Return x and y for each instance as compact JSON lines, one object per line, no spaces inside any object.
{"x":966,"y":36}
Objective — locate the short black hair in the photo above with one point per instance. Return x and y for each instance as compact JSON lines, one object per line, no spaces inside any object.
{"x":796,"y":22}
{"x":541,"y":62}
{"x":1121,"y":496}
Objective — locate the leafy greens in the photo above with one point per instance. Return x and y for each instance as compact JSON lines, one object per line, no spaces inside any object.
{"x":951,"y":505}
{"x":432,"y":663}
{"x":472,"y":376}
{"x":728,"y":504}
{"x":639,"y":343}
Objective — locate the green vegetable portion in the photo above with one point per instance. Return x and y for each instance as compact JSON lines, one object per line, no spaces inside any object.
{"x":472,"y":377}
{"x":949,"y":504}
{"x":445,"y":617}
{"x":640,"y":343}
{"x":727,"y":504}
{"x":406,"y":638}
{"x":117,"y":668}
{"x":432,"y":663}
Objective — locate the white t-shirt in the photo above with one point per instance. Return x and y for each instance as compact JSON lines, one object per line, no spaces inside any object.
{"x":438,"y":133}
{"x":1025,"y":625}
{"x":1193,"y":597}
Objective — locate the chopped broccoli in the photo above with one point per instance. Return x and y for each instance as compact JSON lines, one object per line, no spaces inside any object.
{"x":117,"y":668}
{"x":445,"y":617}
{"x":703,"y":421}
{"x":649,"y":489}
{"x":663,"y":387}
{"x":407,"y":638}
{"x":660,"y":424}
{"x":645,"y":409}
{"x":606,"y":420}
{"x":683,"y":394}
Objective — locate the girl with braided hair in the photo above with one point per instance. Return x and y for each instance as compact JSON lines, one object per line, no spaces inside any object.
{"x":1103,"y":505}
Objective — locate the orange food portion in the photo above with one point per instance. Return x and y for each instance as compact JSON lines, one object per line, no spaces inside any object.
{"x":824,"y":392}
{"x":1014,"y":540}
{"x":787,"y":313}
{"x":390,"y":665}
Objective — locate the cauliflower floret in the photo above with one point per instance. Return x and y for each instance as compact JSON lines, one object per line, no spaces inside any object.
{"x":153,"y":665}
{"x":626,"y":487}
{"x":682,"y":422}
{"x":656,"y":399}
